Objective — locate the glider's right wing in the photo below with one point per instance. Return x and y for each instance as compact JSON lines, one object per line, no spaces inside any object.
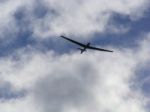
{"x":100,"y":49}
{"x":80,"y":44}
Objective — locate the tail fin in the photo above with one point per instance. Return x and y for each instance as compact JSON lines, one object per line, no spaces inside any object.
{"x":82,"y":50}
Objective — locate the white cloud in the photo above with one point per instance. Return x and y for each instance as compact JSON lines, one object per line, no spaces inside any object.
{"x":85,"y":18}
{"x":23,"y":105}
{"x":73,"y":82}
{"x":74,"y":17}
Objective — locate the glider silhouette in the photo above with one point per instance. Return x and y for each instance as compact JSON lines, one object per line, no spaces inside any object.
{"x":85,"y":46}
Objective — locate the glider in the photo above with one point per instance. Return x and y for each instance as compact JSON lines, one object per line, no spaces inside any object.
{"x":85,"y":46}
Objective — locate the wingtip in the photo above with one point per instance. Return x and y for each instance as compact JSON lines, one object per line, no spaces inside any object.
{"x":110,"y":51}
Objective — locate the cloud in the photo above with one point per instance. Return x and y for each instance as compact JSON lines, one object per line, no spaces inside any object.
{"x":72,"y":82}
{"x":7,"y":92}
{"x":22,"y":104}
{"x":53,"y":17}
{"x":94,"y":81}
{"x":85,"y":18}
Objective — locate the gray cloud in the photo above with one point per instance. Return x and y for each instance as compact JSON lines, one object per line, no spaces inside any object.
{"x":60,"y":93}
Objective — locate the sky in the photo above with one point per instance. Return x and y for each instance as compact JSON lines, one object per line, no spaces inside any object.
{"x":40,"y":72}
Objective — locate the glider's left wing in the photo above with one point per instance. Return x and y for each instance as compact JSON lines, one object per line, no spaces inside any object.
{"x":73,"y":41}
{"x":100,"y":49}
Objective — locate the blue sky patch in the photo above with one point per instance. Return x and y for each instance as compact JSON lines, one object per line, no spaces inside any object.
{"x":7,"y":92}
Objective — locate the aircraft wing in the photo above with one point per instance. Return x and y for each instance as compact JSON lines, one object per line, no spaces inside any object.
{"x":80,"y":44}
{"x":100,"y":49}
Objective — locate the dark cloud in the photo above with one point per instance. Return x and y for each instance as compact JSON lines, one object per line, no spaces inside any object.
{"x":59,"y":90}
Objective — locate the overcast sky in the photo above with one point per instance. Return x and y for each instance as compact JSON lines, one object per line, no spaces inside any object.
{"x":40,"y":72}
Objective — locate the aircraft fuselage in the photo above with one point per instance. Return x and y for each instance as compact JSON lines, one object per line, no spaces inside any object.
{"x":84,"y":48}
